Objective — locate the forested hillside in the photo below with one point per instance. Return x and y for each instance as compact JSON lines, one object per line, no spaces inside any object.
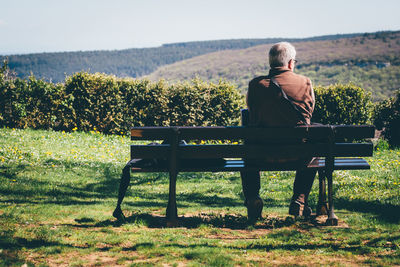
{"x":129,"y":62}
{"x":371,"y":61}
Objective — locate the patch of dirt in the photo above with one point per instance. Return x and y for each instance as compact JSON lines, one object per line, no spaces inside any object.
{"x":321,"y":221}
{"x":278,"y":259}
{"x":92,"y":259}
{"x":227,"y":235}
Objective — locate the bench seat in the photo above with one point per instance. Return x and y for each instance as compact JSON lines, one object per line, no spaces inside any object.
{"x":233,"y":165}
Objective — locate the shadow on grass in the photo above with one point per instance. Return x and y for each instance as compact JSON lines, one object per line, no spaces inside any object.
{"x":294,"y":244}
{"x":25,"y":189}
{"x":105,"y":185}
{"x":207,"y":200}
{"x":230,"y":221}
{"x":10,"y":247}
{"x":386,"y":212}
{"x":91,"y":193}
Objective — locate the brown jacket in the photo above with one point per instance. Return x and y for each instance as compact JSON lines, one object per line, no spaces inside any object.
{"x":266,"y":105}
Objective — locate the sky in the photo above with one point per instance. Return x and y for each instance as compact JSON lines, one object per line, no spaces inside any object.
{"x":34,"y":26}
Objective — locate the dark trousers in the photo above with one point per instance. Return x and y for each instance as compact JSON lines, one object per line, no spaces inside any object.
{"x":301,"y":188}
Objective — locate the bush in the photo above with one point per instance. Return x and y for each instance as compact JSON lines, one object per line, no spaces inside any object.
{"x":113,"y":105}
{"x":28,"y":103}
{"x":13,"y":99}
{"x":342,"y":104}
{"x":145,"y":103}
{"x":96,"y":102}
{"x":204,"y":104}
{"x":43,"y":104}
{"x":387,"y":118}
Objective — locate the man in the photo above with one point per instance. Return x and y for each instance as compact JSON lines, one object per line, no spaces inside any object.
{"x":268,"y":106}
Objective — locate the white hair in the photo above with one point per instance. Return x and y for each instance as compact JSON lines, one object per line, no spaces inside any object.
{"x":280,"y":54}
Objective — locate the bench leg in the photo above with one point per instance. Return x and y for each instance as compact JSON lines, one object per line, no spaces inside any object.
{"x":322,"y":206}
{"x":332,"y":218}
{"x":172,"y":211}
{"x":123,"y":186}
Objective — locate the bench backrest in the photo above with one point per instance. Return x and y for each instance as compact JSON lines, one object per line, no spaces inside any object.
{"x":321,"y":140}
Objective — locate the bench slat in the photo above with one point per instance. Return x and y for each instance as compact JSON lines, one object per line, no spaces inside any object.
{"x":342,"y":164}
{"x":152,"y":133}
{"x":252,"y":151}
{"x":353,"y":149}
{"x":232,"y":132}
{"x":353,"y":132}
{"x":270,"y":134}
{"x":239,"y":165}
{"x":150,"y":152}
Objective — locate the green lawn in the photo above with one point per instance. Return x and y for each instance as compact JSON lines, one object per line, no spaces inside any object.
{"x":58,"y":191}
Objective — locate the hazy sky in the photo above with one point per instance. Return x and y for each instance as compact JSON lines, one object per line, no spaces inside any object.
{"x":28,"y":26}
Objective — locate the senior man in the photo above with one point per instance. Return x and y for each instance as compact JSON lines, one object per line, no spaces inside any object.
{"x":282,"y":98}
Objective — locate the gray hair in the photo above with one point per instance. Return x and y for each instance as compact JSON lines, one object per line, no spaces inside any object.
{"x":280,"y":54}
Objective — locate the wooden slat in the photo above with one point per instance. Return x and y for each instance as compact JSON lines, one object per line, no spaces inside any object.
{"x":239,"y":165}
{"x":353,"y":149}
{"x":342,"y":164}
{"x":252,"y":151}
{"x":354,"y":132}
{"x":152,"y":133}
{"x":210,"y":133}
{"x":150,"y":152}
{"x":228,"y":133}
{"x":206,"y":133}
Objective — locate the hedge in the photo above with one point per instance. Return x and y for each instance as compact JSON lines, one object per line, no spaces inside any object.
{"x":387,"y":118}
{"x":342,"y":104}
{"x":112,"y":105}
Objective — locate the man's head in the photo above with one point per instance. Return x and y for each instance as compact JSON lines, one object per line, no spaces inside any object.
{"x":282,"y":54}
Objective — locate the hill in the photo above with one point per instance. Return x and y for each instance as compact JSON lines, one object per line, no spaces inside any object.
{"x":369,"y":60}
{"x":129,"y":62}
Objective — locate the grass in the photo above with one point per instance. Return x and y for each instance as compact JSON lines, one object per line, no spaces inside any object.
{"x":58,"y":191}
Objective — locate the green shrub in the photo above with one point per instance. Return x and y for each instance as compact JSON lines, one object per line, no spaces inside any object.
{"x":387,"y":118}
{"x":204,"y":104}
{"x":113,"y":105}
{"x":30,"y":103}
{"x":342,"y":104}
{"x":145,"y":103}
{"x":43,"y":104}
{"x":96,"y":102}
{"x":13,"y":99}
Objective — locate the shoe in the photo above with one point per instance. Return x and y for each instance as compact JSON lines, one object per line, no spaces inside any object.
{"x":298,"y":208}
{"x":254,"y":208}
{"x":119,"y":215}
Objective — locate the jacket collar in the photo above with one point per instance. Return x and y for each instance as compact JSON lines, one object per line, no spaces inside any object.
{"x":277,"y":70}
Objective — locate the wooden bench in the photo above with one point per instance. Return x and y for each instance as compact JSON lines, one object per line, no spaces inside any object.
{"x":332,"y":146}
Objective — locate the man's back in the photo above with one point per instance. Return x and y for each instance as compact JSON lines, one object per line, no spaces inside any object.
{"x":268,"y":107}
